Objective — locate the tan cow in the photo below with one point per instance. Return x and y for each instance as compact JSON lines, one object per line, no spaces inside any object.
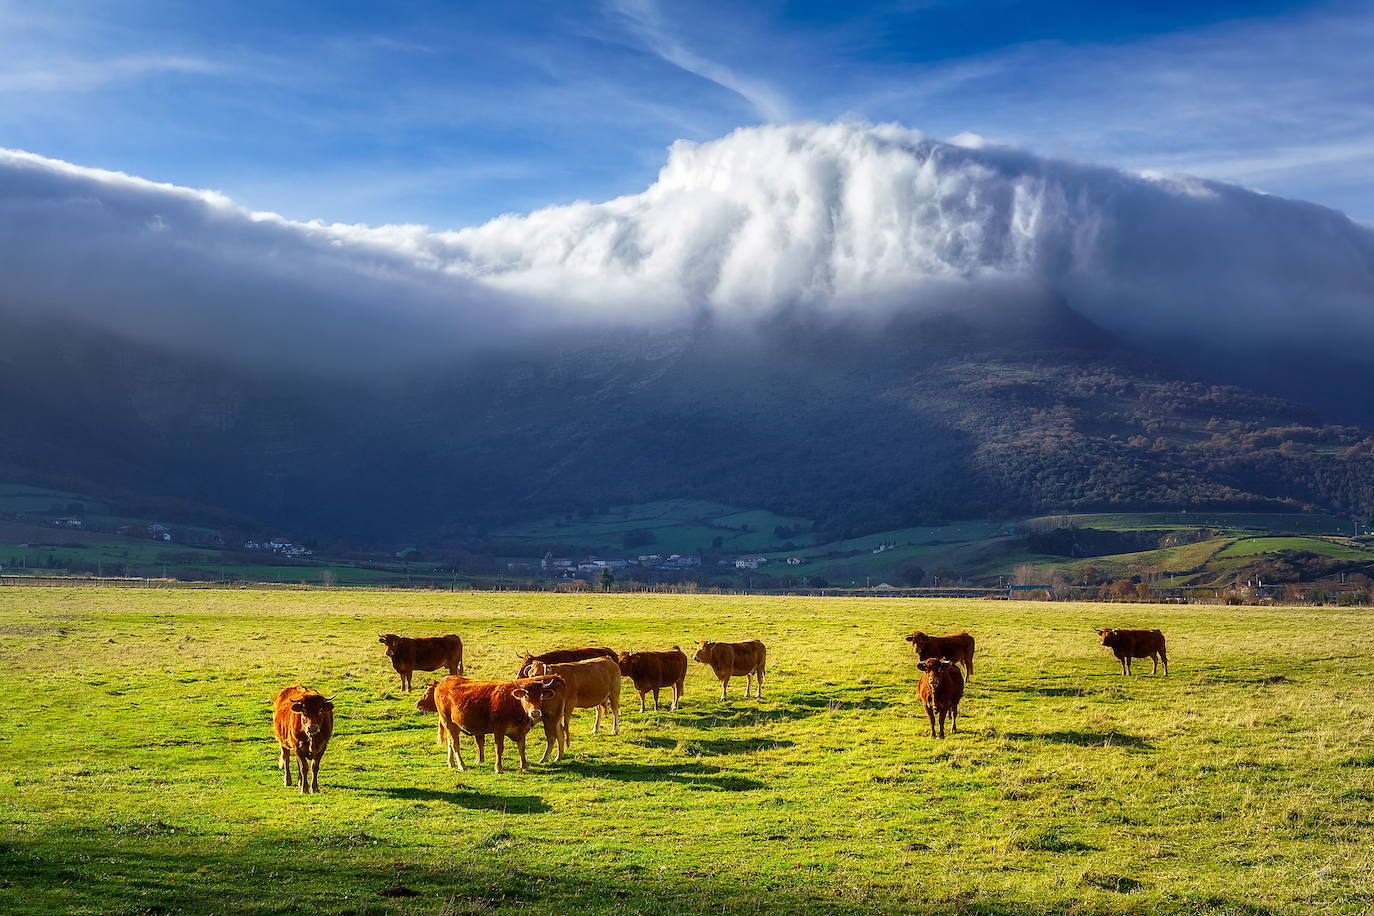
{"x":729,"y":659}
{"x":941,"y":688}
{"x":304,"y":722}
{"x":503,"y":709}
{"x":592,"y":683}
{"x":957,"y":647}
{"x":655,"y":670}
{"x":424,"y":653}
{"x":1129,"y":644}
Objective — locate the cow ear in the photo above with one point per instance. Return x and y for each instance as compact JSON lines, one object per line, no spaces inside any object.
{"x":519,"y":693}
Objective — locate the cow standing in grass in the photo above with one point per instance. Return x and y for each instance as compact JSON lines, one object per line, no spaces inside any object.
{"x":592,"y":683}
{"x":1129,"y":644}
{"x":503,"y":709}
{"x":304,"y":723}
{"x":561,"y":656}
{"x":941,"y":688}
{"x":655,"y":670}
{"x":957,"y":647}
{"x":425,"y":653}
{"x":731,"y":659}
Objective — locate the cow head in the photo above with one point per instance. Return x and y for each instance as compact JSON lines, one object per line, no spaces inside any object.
{"x":1109,"y":637}
{"x":534,"y":694}
{"x":525,"y":661}
{"x":389,"y":640}
{"x":626,"y":661}
{"x":918,"y":640}
{"x":314,"y":710}
{"x":535,"y":668}
{"x":426,"y":702}
{"x":935,"y":667}
{"x":705,"y":650}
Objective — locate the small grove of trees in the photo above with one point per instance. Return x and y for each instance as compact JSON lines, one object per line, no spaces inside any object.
{"x":639,"y":537}
{"x":910,"y":573}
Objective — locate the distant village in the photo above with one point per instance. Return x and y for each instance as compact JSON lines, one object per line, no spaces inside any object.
{"x":591,"y":566}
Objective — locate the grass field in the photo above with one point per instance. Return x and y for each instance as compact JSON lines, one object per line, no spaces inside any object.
{"x":138,"y":771}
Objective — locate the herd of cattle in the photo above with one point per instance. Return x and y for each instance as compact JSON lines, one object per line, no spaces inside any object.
{"x":548,"y":688}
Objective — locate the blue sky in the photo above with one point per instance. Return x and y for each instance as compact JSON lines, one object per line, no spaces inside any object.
{"x":451,"y":113}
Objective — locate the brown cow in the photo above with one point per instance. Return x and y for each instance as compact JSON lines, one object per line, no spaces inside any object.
{"x":957,"y":647}
{"x":592,"y":682}
{"x":499,"y":708}
{"x":425,"y":653}
{"x":655,"y":670}
{"x":941,"y":688}
{"x":559,"y":656}
{"x":734,"y":658}
{"x":1129,"y":644}
{"x":304,"y":722}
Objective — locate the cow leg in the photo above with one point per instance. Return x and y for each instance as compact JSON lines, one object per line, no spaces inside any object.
{"x":315,"y":775}
{"x":567,"y":729}
{"x":481,"y":747}
{"x":596,"y":726}
{"x":303,"y":770}
{"x":942,"y":722}
{"x":500,"y":749}
{"x":641,"y":700}
{"x":550,"y":739}
{"x":520,"y":746}
{"x":954,"y":720}
{"x":285,"y":764}
{"x":1164,"y":657}
{"x":439,"y":734}
{"x":724,"y":683}
{"x":758,"y":684}
{"x":455,"y":750}
{"x":1154,"y":659}
{"x":748,"y":685}
{"x":677,"y":694}
{"x":930,"y":714}
{"x":615,"y":710}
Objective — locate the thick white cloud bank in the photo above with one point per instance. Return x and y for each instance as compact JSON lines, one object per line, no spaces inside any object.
{"x":845,"y":219}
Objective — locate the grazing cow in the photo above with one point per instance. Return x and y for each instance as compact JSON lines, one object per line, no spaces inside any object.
{"x":941,"y":688}
{"x":654,"y":670}
{"x":592,"y":682}
{"x":957,"y":647}
{"x":425,"y":653}
{"x":304,"y":722}
{"x":503,"y":709}
{"x":559,"y":656}
{"x":734,"y":658}
{"x":1129,"y":644}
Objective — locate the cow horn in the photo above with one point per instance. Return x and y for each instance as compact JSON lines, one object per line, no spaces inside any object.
{"x":330,"y":698}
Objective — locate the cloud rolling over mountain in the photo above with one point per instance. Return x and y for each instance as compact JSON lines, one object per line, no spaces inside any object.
{"x":844,"y":222}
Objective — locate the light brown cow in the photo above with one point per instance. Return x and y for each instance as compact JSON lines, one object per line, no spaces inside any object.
{"x":304,"y":723}
{"x":1129,"y":644}
{"x":424,"y":653}
{"x":559,"y":656}
{"x":941,"y":688}
{"x":957,"y":647}
{"x":592,"y":683}
{"x":503,"y":709}
{"x":655,"y":670}
{"x":728,"y":659}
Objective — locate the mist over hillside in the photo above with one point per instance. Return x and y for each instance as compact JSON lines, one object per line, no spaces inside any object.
{"x":846,"y":322}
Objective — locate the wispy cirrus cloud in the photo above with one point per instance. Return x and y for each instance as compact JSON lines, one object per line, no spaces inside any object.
{"x":651,"y":27}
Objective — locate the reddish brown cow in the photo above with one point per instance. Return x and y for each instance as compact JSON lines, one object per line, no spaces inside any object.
{"x":592,"y":683}
{"x":957,"y":647}
{"x":655,"y":670}
{"x":941,"y":688}
{"x":503,"y":709}
{"x":424,"y":653}
{"x":1129,"y":644}
{"x":304,"y":722}
{"x":560,"y":656}
{"x":728,"y":659}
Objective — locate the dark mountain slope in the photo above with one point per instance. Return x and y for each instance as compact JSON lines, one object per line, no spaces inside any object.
{"x":913,"y":422}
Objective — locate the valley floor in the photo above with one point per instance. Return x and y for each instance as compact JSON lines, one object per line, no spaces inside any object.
{"x":138,"y":774}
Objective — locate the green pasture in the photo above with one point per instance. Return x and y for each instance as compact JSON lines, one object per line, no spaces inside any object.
{"x":1249,"y":547}
{"x":1238,"y":522}
{"x":138,"y":776}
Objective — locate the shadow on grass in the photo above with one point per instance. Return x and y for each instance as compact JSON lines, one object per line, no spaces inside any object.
{"x":474,"y":801}
{"x":788,"y":708}
{"x":719,"y":747}
{"x":1082,"y":739}
{"x":693,"y":775}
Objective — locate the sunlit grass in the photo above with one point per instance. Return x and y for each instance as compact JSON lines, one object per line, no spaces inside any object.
{"x":139,"y":767}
